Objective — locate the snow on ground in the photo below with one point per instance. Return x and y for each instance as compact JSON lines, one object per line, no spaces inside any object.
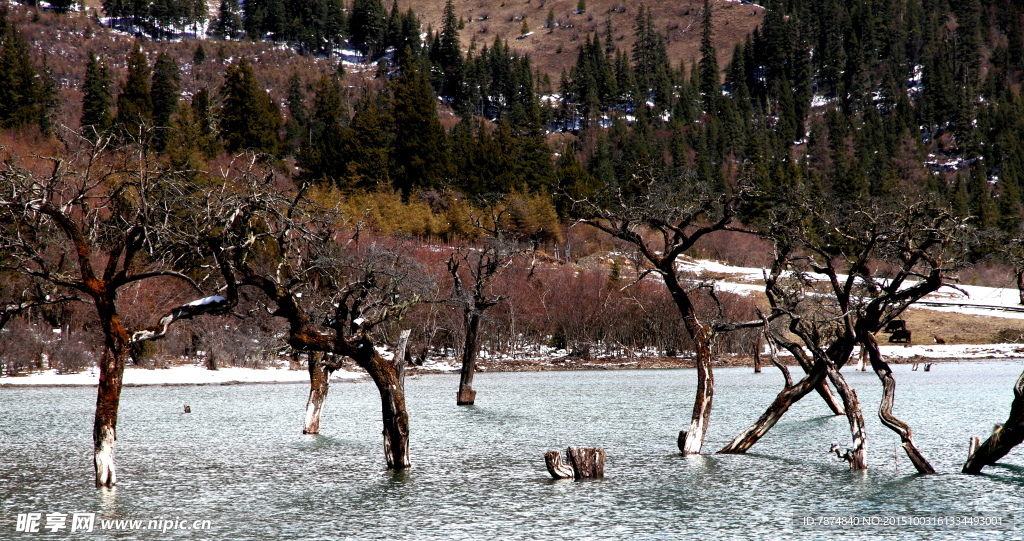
{"x":970,"y":300}
{"x":177,"y":375}
{"x":959,"y":351}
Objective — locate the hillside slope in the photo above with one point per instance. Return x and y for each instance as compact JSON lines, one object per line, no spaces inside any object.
{"x":553,"y":50}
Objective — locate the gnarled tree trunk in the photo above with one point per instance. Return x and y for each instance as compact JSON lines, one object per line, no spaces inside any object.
{"x":785,"y":399}
{"x":703,"y":336}
{"x":701,"y":418}
{"x":467,"y":395}
{"x":884,"y":373}
{"x":855,"y":454}
{"x":392,"y":398}
{"x":108,"y":393}
{"x":1004,"y":438}
{"x":319,"y":376}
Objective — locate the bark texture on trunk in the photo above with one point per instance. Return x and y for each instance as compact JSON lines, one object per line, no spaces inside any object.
{"x":583,"y":463}
{"x":855,"y":454}
{"x":786,"y":398}
{"x":319,"y":376}
{"x":467,"y":395}
{"x":1004,"y":438}
{"x":108,"y":393}
{"x":392,"y":398}
{"x":823,"y":390}
{"x":884,"y":373}
{"x":703,"y":338}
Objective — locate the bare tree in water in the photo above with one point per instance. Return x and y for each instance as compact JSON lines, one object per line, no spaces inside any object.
{"x":663,"y":218}
{"x":335,"y":291}
{"x":842,"y":272}
{"x":1004,"y":437}
{"x":89,"y":221}
{"x":472,"y":269}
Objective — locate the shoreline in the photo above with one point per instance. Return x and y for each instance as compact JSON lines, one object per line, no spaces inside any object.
{"x":188,"y":375}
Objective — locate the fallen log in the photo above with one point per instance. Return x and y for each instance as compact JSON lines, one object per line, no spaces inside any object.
{"x":583,"y":463}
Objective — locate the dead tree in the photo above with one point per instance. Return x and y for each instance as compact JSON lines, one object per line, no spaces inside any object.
{"x":91,"y":226}
{"x":663,"y":222}
{"x":472,"y":271}
{"x":890,"y":421}
{"x":336,"y":293}
{"x":584,"y":463}
{"x":1005,"y":436}
{"x":848,"y":272}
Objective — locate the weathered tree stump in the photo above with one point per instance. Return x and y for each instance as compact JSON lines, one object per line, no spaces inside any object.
{"x":584,"y":463}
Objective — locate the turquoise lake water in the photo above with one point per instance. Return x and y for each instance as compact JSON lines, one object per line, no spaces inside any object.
{"x":240,"y":461}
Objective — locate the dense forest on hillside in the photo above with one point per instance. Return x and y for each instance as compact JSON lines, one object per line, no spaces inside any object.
{"x":858,"y":101}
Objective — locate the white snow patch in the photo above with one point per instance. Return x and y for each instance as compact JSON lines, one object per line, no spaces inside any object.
{"x":178,"y":375}
{"x":213,"y":299}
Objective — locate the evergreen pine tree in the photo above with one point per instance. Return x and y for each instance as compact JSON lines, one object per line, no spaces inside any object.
{"x":708,"y":67}
{"x":135,"y":102}
{"x":166,"y":91}
{"x":574,"y":184}
{"x":448,"y":59}
{"x":20,"y":90}
{"x":297,"y":125}
{"x":97,"y":98}
{"x":199,"y":56}
{"x":369,"y":147}
{"x":229,"y":20}
{"x":249,"y":119}
{"x":420,"y":153}
{"x":368,"y":27}
{"x":322,"y":157}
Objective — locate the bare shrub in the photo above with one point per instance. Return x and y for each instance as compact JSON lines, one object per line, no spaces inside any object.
{"x":23,"y":347}
{"x":74,"y":351}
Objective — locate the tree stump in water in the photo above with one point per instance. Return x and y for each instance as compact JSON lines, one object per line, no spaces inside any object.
{"x":465,"y":397}
{"x":584,"y":463}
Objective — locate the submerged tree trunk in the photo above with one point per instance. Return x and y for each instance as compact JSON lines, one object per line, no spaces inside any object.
{"x":392,"y":398}
{"x":822,"y":388}
{"x":467,"y":395}
{"x":319,"y":376}
{"x":108,"y":393}
{"x":757,"y":356}
{"x":1004,"y":438}
{"x":703,"y":337}
{"x":855,"y":454}
{"x":785,"y":399}
{"x":884,"y":373}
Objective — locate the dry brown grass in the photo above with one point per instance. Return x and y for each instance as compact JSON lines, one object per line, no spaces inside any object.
{"x":678,"y":20}
{"x":957,"y":328}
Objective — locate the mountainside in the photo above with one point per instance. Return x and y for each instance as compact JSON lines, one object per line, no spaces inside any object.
{"x":554,"y":49}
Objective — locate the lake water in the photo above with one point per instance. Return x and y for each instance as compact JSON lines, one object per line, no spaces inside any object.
{"x":240,"y":461}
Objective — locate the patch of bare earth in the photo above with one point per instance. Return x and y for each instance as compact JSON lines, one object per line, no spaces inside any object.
{"x":554,"y":49}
